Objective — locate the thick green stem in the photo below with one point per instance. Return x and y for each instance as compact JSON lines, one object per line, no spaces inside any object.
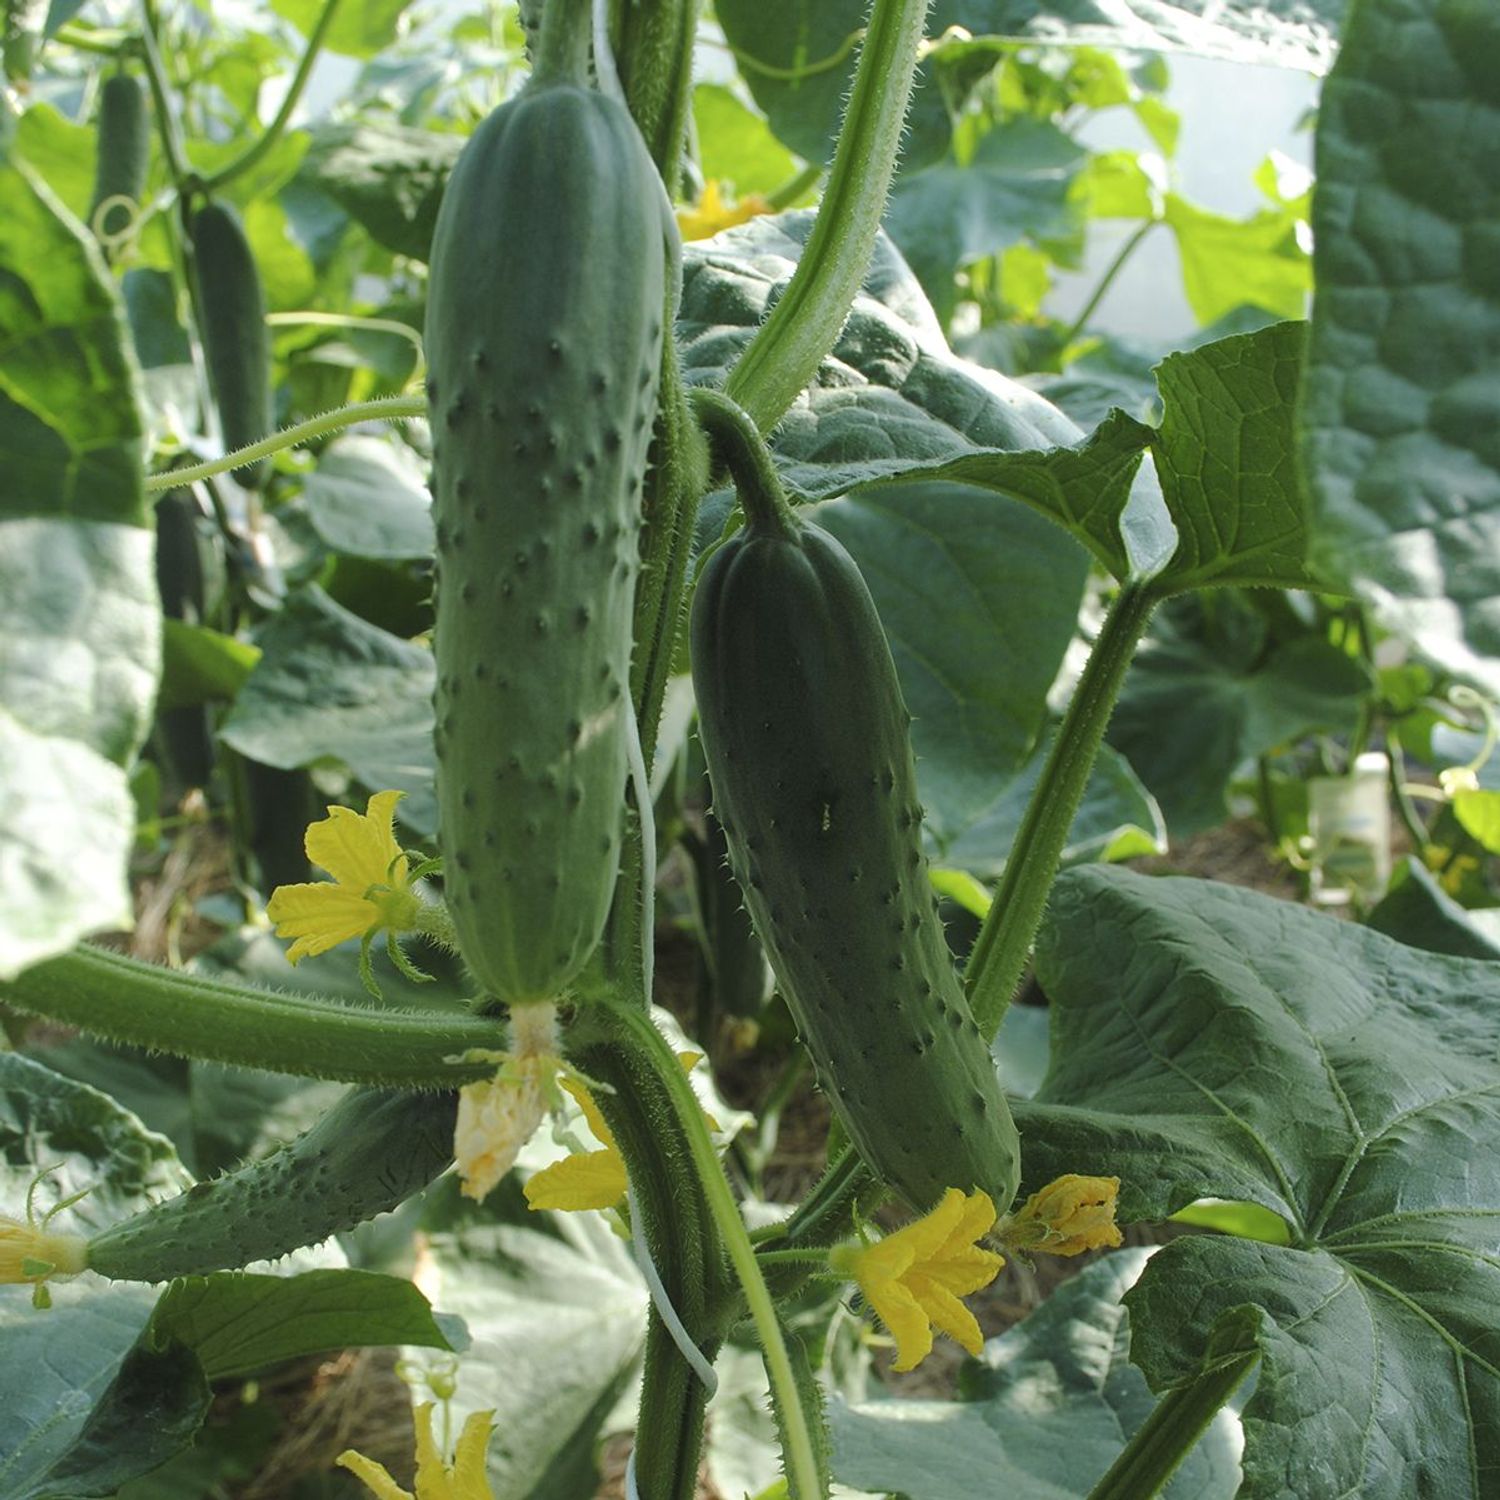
{"x":186,"y":1015}
{"x":273,"y":132}
{"x":1169,"y":1434}
{"x":783,"y":357}
{"x":655,"y":60}
{"x":1004,"y":943}
{"x":692,"y":1131}
{"x":384,"y":408}
{"x":562,"y":54}
{"x":737,"y":445}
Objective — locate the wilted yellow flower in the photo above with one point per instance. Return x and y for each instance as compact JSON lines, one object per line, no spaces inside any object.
{"x":370,"y":891}
{"x":436,"y":1480}
{"x":711,"y":213}
{"x":29,"y":1253}
{"x":591,"y":1179}
{"x":1068,"y":1216}
{"x":915,"y":1277}
{"x":497,"y":1116}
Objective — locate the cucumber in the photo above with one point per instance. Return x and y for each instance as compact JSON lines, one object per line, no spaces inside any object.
{"x":236,"y":346}
{"x":545,"y":316}
{"x":368,"y":1154}
{"x":810,"y":760}
{"x":184,"y":557}
{"x":124,"y":153}
{"x":734,"y":961}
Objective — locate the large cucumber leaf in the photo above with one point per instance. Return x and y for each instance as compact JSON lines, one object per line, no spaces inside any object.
{"x":1185,"y":1016}
{"x":79,"y":619}
{"x":1400,"y":411}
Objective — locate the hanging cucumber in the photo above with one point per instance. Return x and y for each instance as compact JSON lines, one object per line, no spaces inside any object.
{"x":124,"y":154}
{"x":369,"y":1153}
{"x":805,"y":732}
{"x":236,"y":346}
{"x":546,"y":309}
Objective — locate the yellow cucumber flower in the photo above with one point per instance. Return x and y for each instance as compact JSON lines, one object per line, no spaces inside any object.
{"x":711,"y":213}
{"x":371,"y":891}
{"x":497,"y":1116}
{"x":436,"y":1479}
{"x":1068,"y":1216}
{"x":914,"y":1278}
{"x":28,"y":1253}
{"x":591,"y":1179}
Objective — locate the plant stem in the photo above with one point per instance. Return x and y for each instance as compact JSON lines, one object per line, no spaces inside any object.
{"x":801,"y":1464}
{"x":562,"y":53}
{"x":738,"y":446}
{"x":385,"y":408}
{"x":784,"y":355}
{"x":1004,"y":943}
{"x":1396,"y":775}
{"x":655,"y":59}
{"x":187,"y":1015}
{"x":793,"y":188}
{"x":274,"y":131}
{"x":166,"y":121}
{"x":1107,"y":280}
{"x":1169,"y":1434}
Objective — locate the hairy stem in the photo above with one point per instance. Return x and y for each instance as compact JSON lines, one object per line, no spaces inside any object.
{"x":655,"y":59}
{"x":186,"y":1015}
{"x":1004,"y":943}
{"x":385,"y":408}
{"x":783,"y":357}
{"x":738,"y":446}
{"x":1169,"y":1434}
{"x":273,"y":132}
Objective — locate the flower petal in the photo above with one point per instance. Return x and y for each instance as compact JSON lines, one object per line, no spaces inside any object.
{"x":594,"y":1180}
{"x":432,"y":1473}
{"x":496,"y":1117}
{"x":359,"y":849}
{"x":909,"y":1325}
{"x":469,"y":1481}
{"x":602,"y":1133}
{"x":951,"y":1316}
{"x":373,"y":1475}
{"x":319,"y":916}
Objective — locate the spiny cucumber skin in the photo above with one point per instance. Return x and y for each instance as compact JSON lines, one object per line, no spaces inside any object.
{"x":806,"y":737}
{"x":544,"y":335}
{"x":368,"y":1154}
{"x":236,"y":345}
{"x":124,"y":148}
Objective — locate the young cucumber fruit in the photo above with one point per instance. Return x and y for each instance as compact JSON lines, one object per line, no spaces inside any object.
{"x":369,"y":1153}
{"x":236,"y":346}
{"x":805,"y":733}
{"x":545,"y":320}
{"x":124,"y":152}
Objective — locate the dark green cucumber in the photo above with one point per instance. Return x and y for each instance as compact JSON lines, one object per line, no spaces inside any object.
{"x":735,"y":963}
{"x":544,"y":330}
{"x":184,"y":550}
{"x":805,"y":732}
{"x":124,"y":152}
{"x":368,"y":1154}
{"x":236,"y":346}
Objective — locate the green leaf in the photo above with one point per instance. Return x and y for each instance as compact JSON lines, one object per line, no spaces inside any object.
{"x":1417,"y":911}
{"x":979,"y":601}
{"x":388,"y":177}
{"x":200,"y":665}
{"x":329,"y":685}
{"x":1229,"y":263}
{"x":1213,"y":1042}
{"x":1018,"y":185}
{"x":357,"y":30}
{"x":78,"y":608}
{"x":237,"y":1323}
{"x":368,"y":497}
{"x":1209,"y":689}
{"x":736,"y":145}
{"x":1401,"y":402}
{"x":1047,"y":1408}
{"x":1478,"y":814}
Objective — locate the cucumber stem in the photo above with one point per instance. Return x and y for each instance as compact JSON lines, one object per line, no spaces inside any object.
{"x":186,"y":1015}
{"x":655,"y":60}
{"x":562,"y":55}
{"x":783,"y":357}
{"x":1004,"y":943}
{"x":737,"y":444}
{"x":1170,"y":1433}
